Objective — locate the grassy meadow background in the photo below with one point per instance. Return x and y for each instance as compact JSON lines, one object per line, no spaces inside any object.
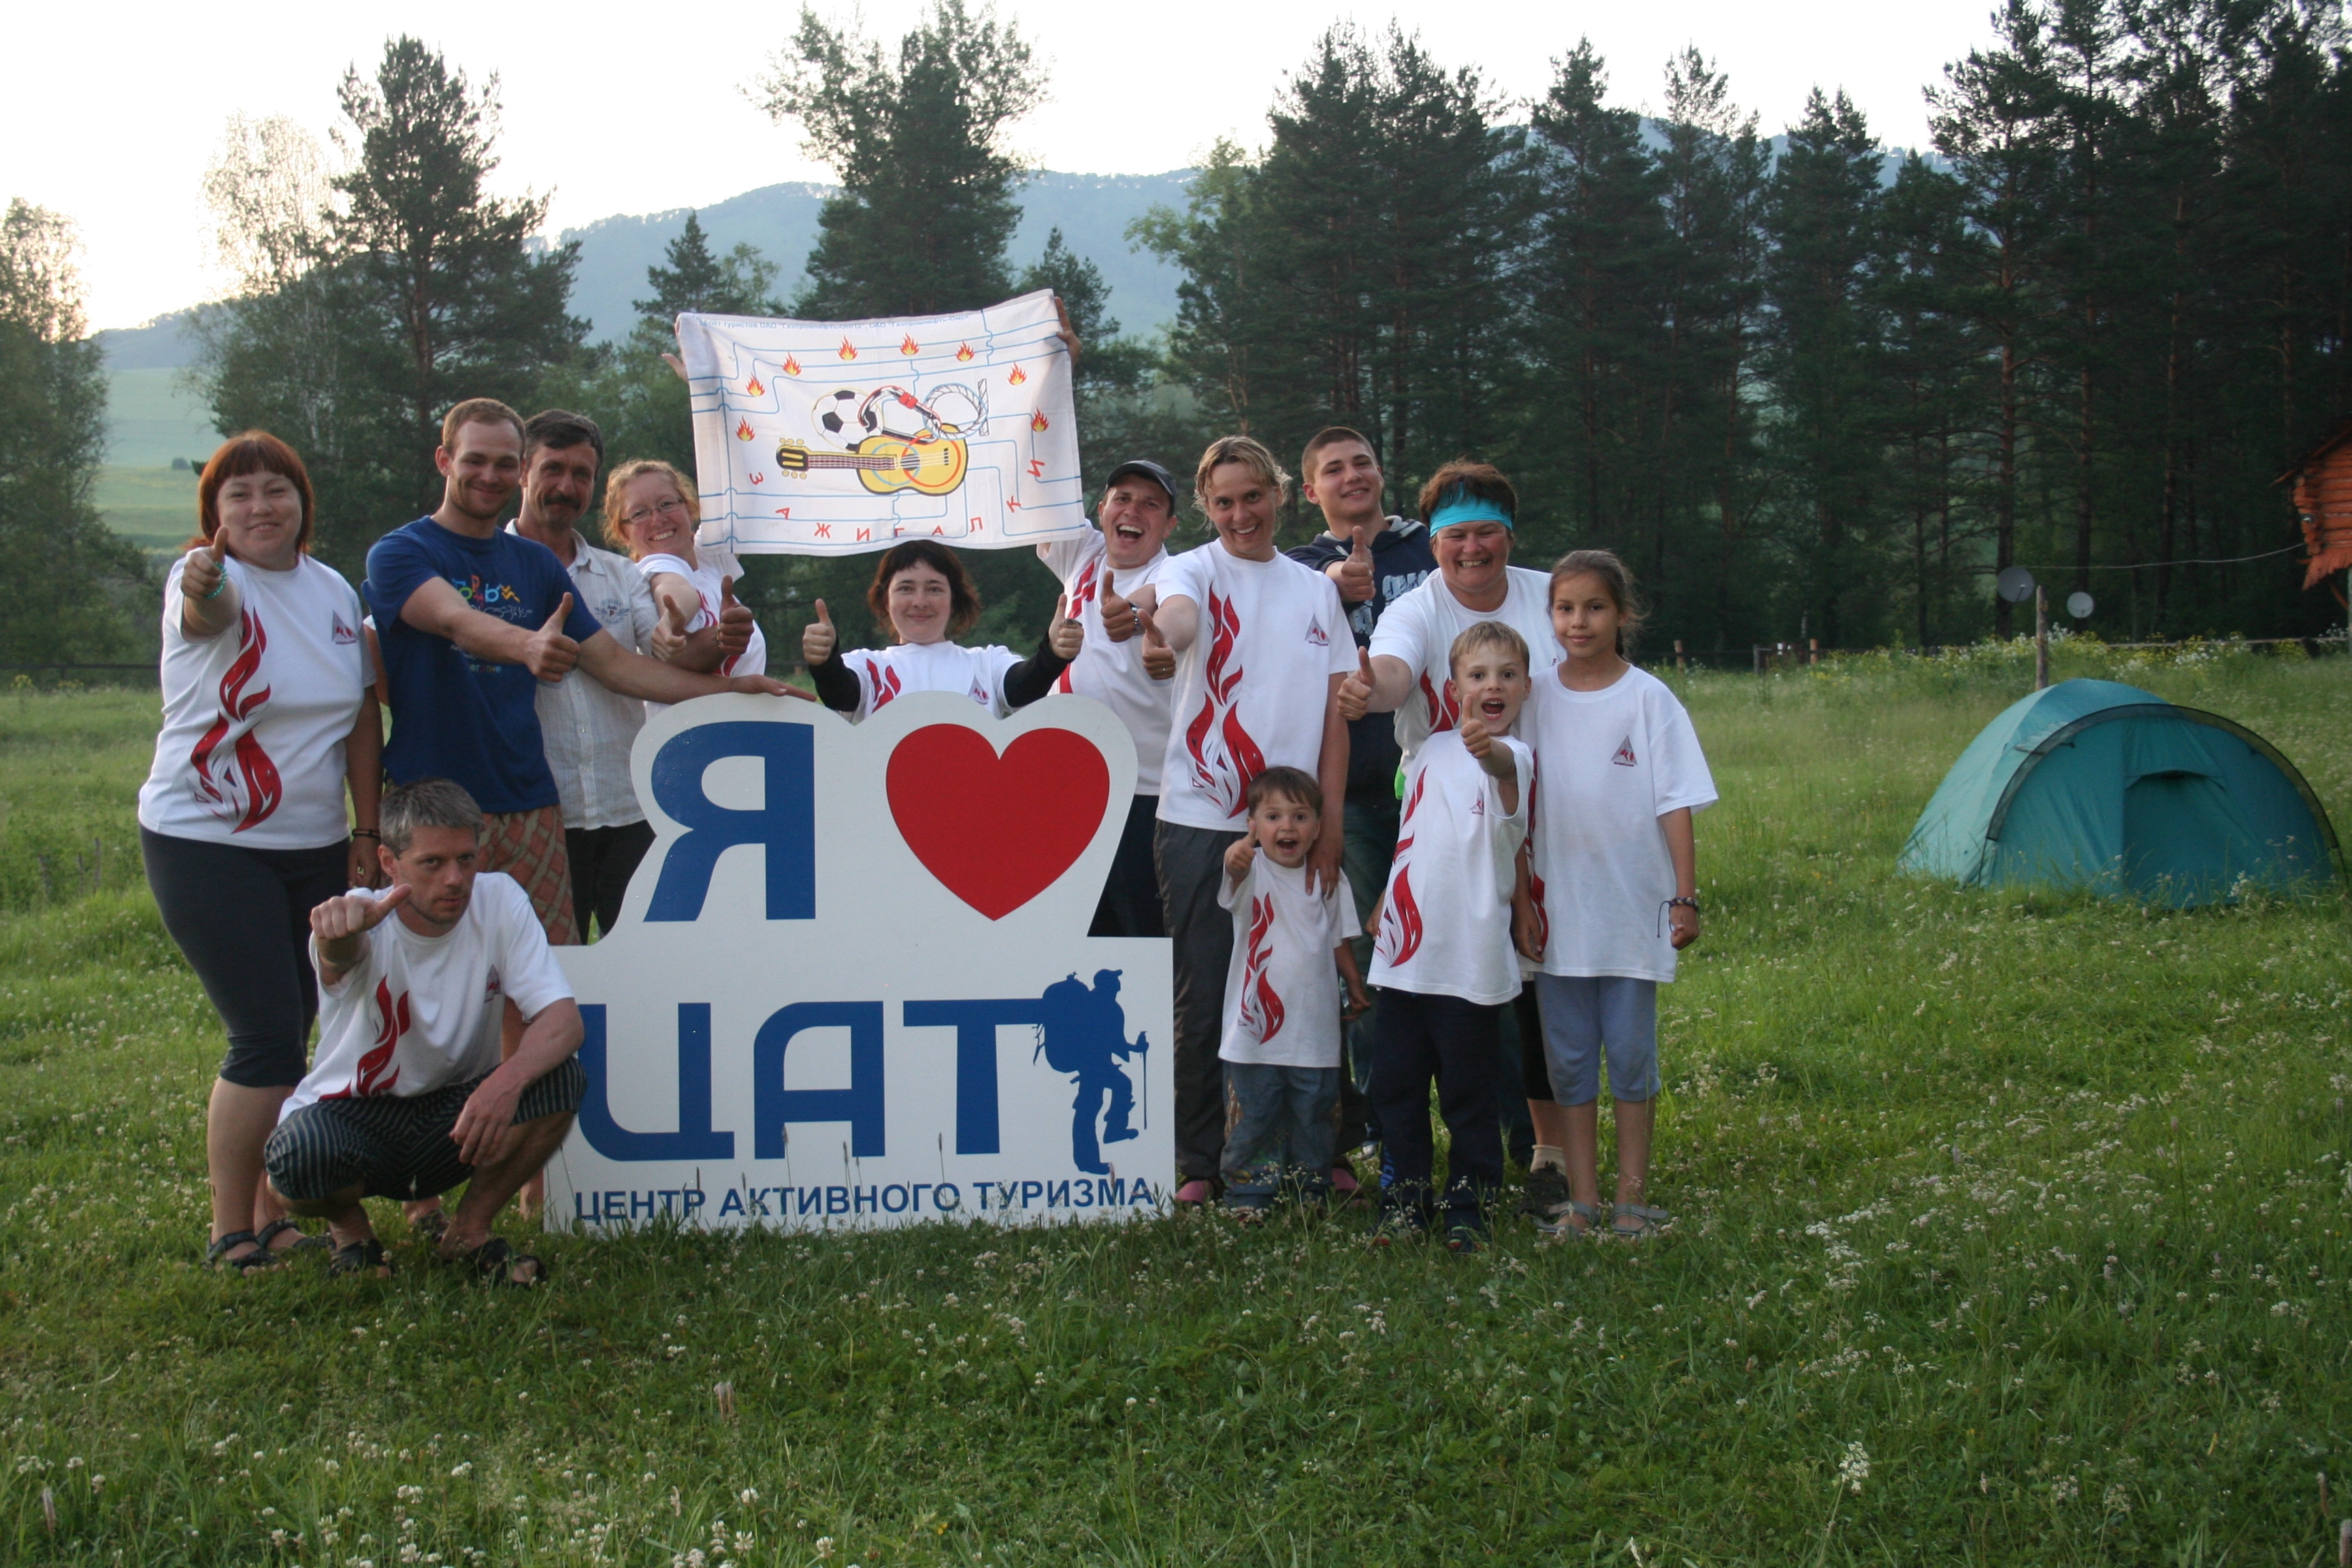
{"x":2012,"y":1228}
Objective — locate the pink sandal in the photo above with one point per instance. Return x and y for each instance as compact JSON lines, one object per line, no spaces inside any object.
{"x":1194,"y":1193}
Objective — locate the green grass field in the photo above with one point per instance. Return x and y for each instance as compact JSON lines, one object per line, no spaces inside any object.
{"x":2011,"y":1229}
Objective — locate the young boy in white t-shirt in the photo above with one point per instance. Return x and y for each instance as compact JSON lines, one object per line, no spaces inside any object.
{"x":1441,"y":952}
{"x":1283,"y":1009}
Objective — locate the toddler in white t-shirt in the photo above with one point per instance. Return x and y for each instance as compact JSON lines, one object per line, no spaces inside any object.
{"x":1441,"y":954}
{"x":1283,"y":1005}
{"x":1612,"y":891}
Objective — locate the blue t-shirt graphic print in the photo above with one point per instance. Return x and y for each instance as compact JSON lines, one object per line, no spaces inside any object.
{"x":455,"y":716}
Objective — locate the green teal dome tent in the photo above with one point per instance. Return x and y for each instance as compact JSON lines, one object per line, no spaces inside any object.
{"x":2093,"y":783}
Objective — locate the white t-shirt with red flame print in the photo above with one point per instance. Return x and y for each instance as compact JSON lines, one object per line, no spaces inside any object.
{"x":707,"y":580}
{"x":1112,"y":673}
{"x":1252,"y":690}
{"x":1445,"y":924}
{"x":1420,"y":629}
{"x":887,"y":674}
{"x":418,"y":1011}
{"x":255,"y":719}
{"x":1282,"y":987}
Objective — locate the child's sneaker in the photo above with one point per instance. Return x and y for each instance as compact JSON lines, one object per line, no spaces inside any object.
{"x":1343,"y":1179}
{"x":1195,"y":1193}
{"x":1465,"y":1239}
{"x":1395,"y":1224}
{"x":1547,"y":1196}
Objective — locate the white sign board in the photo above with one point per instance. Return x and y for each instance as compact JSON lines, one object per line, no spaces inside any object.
{"x":852,"y":983}
{"x":832,"y":438}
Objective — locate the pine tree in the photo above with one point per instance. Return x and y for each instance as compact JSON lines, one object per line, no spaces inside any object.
{"x":1599,"y":241}
{"x":72,"y":601}
{"x":919,"y":144}
{"x":696,"y":280}
{"x":1824,"y":362}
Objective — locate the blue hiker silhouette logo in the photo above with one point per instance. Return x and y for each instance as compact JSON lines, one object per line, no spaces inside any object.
{"x":1084,"y":1031}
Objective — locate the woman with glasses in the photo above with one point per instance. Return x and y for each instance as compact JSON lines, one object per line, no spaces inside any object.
{"x":650,"y":511}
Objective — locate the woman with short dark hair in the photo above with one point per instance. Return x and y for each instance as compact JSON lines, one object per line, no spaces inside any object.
{"x":924,"y":599}
{"x":268,"y":725}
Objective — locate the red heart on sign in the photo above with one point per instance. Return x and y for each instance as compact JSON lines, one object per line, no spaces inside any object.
{"x":997,"y":830}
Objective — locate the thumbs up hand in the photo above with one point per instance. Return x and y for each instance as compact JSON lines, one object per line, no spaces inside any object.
{"x":354,"y":914}
{"x":817,"y":638}
{"x":548,"y":653}
{"x":735,"y":622}
{"x":201,"y":578}
{"x":1065,"y":636}
{"x":669,"y":631}
{"x":1475,"y":738}
{"x":1355,"y":691}
{"x":1353,"y":575}
{"x":1118,"y":614}
{"x":1159,"y":658}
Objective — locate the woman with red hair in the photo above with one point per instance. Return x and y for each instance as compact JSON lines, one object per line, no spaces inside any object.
{"x":267,"y":724}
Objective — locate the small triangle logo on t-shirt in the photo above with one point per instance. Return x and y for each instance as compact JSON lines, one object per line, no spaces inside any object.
{"x":1316,"y":635}
{"x":345,"y":636}
{"x":1624,"y":753}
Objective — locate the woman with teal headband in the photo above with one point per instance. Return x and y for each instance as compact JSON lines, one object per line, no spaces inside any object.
{"x":1472,"y":512}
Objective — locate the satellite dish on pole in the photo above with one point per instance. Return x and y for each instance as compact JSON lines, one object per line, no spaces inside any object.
{"x":2015,"y":583}
{"x":2079,"y":606}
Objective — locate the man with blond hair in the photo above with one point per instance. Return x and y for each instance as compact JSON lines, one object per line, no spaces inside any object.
{"x":1261,"y":644}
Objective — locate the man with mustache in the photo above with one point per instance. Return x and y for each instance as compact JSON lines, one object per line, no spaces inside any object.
{"x":588,"y":729}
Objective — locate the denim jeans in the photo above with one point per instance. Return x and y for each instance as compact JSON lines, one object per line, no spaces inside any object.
{"x":1278,"y":1122}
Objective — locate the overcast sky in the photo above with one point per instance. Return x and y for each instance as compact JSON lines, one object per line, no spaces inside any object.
{"x":114,"y":112}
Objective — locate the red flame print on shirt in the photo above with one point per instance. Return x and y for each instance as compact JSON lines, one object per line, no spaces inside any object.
{"x":391,"y":1023}
{"x":1400,"y":933}
{"x":1262,"y":1011}
{"x":886,"y":687}
{"x":1225,"y":756}
{"x":1444,"y":709}
{"x":1082,"y":589}
{"x":242,"y":787}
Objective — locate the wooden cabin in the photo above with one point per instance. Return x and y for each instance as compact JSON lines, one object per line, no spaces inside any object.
{"x":2322,"y":495}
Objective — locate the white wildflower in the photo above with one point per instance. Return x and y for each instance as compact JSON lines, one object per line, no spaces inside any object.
{"x":1854,"y":1469}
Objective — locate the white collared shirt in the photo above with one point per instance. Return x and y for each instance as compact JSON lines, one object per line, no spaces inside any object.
{"x":588,"y":728}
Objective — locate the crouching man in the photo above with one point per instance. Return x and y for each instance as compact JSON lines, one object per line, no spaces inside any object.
{"x":408,"y":1097}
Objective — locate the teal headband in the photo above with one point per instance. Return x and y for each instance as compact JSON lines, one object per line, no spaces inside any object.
{"x":1461,"y":506}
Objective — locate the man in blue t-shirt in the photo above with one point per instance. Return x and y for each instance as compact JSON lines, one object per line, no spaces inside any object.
{"x":470,"y":619}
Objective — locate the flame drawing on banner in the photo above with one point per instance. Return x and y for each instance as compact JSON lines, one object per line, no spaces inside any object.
{"x":245,"y":787}
{"x":752,"y":386}
{"x":1225,"y":757}
{"x":1261,"y":1011}
{"x":846,"y":352}
{"x":1037,"y":420}
{"x":963,"y":354}
{"x":792,"y":365}
{"x":1017,"y":377}
{"x":743,"y":431}
{"x":908,"y":346}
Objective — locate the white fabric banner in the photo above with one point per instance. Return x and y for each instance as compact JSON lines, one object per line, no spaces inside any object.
{"x":832,"y":438}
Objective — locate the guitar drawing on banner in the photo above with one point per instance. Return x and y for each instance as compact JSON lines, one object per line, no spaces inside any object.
{"x":909,"y":442}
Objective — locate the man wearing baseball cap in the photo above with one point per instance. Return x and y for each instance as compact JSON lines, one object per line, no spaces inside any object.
{"x":1124,"y":665}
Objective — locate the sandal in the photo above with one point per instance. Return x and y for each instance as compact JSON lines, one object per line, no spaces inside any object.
{"x":430,"y":1225}
{"x":1650,"y":1219}
{"x":260,"y":1258}
{"x":303,"y":1242}
{"x":496,"y":1261}
{"x":1563,"y":1226}
{"x":1195,"y":1193}
{"x":366,"y":1257}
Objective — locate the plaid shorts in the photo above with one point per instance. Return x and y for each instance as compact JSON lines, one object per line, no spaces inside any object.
{"x":397,"y":1146}
{"x":529,"y":845}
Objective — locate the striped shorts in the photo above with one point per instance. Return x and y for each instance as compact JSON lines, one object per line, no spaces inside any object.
{"x":529,"y":845}
{"x":397,"y":1146}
